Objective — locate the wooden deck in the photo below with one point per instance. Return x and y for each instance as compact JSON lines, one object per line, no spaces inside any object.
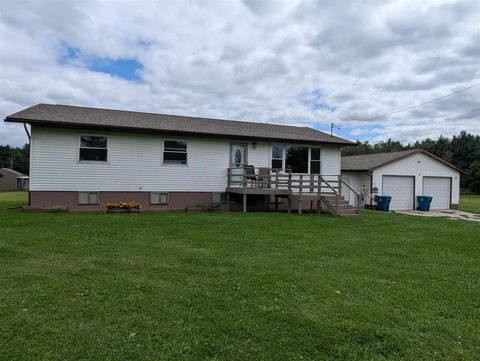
{"x":324,"y":190}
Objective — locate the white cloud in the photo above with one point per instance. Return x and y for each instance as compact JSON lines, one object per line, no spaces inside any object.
{"x":251,"y":60}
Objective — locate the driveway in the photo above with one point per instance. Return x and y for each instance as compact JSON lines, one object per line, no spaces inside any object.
{"x":447,"y":213}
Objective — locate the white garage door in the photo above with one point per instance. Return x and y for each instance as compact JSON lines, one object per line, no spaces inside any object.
{"x":401,"y":191}
{"x":439,"y":189}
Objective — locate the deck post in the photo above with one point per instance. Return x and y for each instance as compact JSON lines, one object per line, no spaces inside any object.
{"x":228,"y":200}
{"x":289,"y":204}
{"x":276,"y":203}
{"x":244,"y":202}
{"x":300,"y":195}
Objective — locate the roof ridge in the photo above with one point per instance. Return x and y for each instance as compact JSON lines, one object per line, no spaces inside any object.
{"x":373,"y":154}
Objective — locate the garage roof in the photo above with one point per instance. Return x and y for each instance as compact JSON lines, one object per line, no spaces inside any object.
{"x":18,"y":174}
{"x":369,"y":162}
{"x":73,"y":116}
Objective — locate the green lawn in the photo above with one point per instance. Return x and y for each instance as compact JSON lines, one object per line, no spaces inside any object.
{"x":233,"y":286}
{"x":470,"y":203}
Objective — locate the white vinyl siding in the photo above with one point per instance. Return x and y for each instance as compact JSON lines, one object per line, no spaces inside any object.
{"x":439,"y":189}
{"x":135,"y":163}
{"x":401,"y":189}
{"x":330,"y":162}
{"x":419,"y":166}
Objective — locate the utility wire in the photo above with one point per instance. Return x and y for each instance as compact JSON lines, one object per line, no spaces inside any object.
{"x":413,"y":106}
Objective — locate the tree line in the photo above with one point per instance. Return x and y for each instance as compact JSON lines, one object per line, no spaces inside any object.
{"x":462,"y":150}
{"x":17,"y":158}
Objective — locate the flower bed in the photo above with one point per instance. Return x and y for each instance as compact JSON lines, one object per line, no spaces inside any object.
{"x":123,"y":207}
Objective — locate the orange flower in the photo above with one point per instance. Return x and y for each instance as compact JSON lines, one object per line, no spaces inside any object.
{"x":127,"y":205}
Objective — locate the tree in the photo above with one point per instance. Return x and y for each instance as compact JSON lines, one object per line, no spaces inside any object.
{"x":473,"y":177}
{"x":18,"y":156}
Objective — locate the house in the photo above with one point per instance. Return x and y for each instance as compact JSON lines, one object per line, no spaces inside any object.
{"x":11,"y":180}
{"x":403,"y":176}
{"x":84,"y":158}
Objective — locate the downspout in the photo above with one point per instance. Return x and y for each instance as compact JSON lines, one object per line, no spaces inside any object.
{"x":29,"y":162}
{"x":370,"y":174}
{"x":28,"y":135}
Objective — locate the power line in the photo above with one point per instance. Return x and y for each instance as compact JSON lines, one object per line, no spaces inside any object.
{"x":413,"y":106}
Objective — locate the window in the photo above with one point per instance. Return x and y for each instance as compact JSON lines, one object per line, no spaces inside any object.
{"x":315,"y":160}
{"x":296,"y":159}
{"x":87,"y":197}
{"x":219,"y":197}
{"x":277,"y":157}
{"x":158,"y":198}
{"x":93,"y":148}
{"x":174,"y":152}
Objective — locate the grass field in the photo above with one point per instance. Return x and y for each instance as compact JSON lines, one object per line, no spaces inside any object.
{"x":470,"y":203}
{"x":233,"y":286}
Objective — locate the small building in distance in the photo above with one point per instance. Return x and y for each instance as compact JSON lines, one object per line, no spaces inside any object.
{"x":11,"y":180}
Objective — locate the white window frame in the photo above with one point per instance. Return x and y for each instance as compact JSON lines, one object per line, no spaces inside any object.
{"x":310,"y":160}
{"x":167,"y":195}
{"x":88,"y":198}
{"x":284,"y":155}
{"x":163,"y":152}
{"x":80,"y":147}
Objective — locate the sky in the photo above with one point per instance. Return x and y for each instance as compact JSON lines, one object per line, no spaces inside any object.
{"x":297,"y":62}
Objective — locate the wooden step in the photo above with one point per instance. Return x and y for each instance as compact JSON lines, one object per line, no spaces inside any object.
{"x":339,"y":205}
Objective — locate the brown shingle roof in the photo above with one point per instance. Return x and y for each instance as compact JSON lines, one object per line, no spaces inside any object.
{"x":18,"y":174}
{"x":72,"y":116}
{"x":369,"y":162}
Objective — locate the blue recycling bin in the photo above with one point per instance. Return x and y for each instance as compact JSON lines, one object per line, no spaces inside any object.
{"x":383,"y":203}
{"x":424,"y":203}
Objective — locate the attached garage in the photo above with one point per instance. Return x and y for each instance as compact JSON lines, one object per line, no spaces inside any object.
{"x":439,"y":189}
{"x":404,"y":176}
{"x":401,"y":189}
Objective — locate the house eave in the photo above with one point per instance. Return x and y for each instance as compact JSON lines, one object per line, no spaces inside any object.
{"x":100,"y":127}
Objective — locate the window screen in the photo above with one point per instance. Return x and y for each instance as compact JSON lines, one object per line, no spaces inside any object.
{"x":158,"y":198}
{"x":87,"y":197}
{"x":174,"y":152}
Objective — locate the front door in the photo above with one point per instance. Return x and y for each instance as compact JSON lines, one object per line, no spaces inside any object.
{"x":238,"y":159}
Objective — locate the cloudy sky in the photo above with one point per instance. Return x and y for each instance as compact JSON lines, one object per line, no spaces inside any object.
{"x":294,"y":62}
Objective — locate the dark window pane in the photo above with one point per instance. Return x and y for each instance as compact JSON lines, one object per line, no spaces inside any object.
{"x":93,"y":142}
{"x":315,"y":167}
{"x":276,"y":163}
{"x":315,"y":153}
{"x":174,"y":145}
{"x":297,"y":159}
{"x":174,"y":158}
{"x":277,"y":152}
{"x":93,"y":154}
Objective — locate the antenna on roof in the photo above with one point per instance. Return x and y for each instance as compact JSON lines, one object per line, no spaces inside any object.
{"x":333,"y":126}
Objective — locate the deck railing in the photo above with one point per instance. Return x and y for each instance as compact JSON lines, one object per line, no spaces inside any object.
{"x":259,"y":178}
